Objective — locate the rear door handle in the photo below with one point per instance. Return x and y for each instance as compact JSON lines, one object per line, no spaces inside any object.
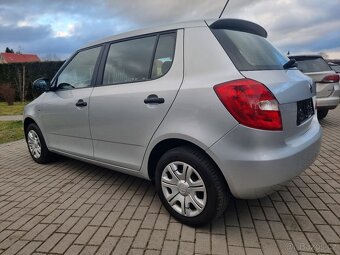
{"x":81,"y":103}
{"x":154,"y":99}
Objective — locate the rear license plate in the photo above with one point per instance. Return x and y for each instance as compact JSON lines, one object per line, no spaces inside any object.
{"x":305,"y":110}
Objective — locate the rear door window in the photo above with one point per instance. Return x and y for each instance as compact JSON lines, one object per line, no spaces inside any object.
{"x":140,"y":59}
{"x":249,"y":52}
{"x":129,"y":61}
{"x":164,"y":55}
{"x":312,"y":64}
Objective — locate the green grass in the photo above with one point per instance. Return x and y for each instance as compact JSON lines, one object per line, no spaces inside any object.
{"x":11,"y":131}
{"x":16,"y":109}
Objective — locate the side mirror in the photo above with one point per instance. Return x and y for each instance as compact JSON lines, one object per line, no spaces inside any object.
{"x":40,"y":86}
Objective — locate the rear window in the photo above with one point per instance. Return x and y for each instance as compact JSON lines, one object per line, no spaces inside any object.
{"x":312,"y":64}
{"x":249,"y":52}
{"x":336,"y":68}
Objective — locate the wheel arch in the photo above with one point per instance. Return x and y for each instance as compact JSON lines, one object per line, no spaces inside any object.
{"x":27,"y":122}
{"x":165,"y":145}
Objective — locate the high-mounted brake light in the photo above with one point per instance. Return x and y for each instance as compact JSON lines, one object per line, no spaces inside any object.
{"x":251,"y":104}
{"x":331,"y":79}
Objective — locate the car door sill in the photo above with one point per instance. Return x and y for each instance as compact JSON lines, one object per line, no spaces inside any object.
{"x":99,"y":163}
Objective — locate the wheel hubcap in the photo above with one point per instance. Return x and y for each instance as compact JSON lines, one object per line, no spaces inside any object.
{"x":34,"y":144}
{"x":184,"y":189}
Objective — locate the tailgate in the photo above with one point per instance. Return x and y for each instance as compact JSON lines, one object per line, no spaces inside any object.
{"x":322,"y":89}
{"x":295,"y":93}
{"x":287,"y":85}
{"x":255,"y":58}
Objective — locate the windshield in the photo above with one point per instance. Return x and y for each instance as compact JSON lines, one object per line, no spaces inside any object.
{"x":312,"y":64}
{"x":250,"y":52}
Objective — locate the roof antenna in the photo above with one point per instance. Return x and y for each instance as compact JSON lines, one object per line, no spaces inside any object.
{"x":223,"y":9}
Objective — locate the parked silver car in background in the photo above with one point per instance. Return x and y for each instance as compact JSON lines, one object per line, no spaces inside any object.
{"x":327,"y":81}
{"x":335,"y":67}
{"x":204,"y":109}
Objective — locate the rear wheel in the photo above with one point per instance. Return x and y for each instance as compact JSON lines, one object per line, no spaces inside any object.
{"x":36,"y":145}
{"x":190,"y":186}
{"x":322,"y":113}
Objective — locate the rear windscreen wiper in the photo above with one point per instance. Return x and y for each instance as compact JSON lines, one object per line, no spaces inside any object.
{"x":291,"y":63}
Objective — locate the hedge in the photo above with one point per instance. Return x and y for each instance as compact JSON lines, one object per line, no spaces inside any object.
{"x":13,"y":74}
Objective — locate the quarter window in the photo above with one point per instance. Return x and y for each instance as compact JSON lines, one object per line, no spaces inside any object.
{"x":78,"y":73}
{"x":129,"y":61}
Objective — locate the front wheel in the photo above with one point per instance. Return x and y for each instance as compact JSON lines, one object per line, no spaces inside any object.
{"x":36,"y":145}
{"x":190,"y":186}
{"x":322,"y":113}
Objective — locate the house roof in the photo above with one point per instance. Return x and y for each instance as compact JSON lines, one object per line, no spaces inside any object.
{"x":19,"y":58}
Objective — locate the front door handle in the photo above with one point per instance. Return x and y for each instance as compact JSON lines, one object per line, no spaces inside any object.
{"x":81,"y":103}
{"x":154,"y":99}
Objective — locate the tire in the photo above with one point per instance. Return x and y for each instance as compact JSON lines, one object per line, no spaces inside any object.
{"x":209,"y":201}
{"x":322,"y":113}
{"x":35,"y":140}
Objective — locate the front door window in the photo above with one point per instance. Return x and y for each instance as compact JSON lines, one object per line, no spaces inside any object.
{"x":78,"y":73}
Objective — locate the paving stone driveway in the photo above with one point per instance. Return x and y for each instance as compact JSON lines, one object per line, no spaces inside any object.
{"x":72,"y":207}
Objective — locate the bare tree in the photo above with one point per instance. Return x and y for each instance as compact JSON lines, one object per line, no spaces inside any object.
{"x":51,"y":57}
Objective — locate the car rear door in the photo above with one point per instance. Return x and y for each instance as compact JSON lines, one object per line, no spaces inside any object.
{"x":138,"y":84}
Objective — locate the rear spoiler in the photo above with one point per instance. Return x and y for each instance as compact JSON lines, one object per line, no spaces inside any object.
{"x":239,"y":25}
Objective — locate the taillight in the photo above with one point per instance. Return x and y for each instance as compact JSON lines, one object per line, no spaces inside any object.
{"x":331,"y":78}
{"x":250,"y":103}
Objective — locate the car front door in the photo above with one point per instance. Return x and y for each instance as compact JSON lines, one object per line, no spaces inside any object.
{"x":140,"y":80}
{"x":65,"y":111}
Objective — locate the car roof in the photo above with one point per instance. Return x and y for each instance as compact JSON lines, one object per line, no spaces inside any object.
{"x":234,"y":24}
{"x":149,"y":30}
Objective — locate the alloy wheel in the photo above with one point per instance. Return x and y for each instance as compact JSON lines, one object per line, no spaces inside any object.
{"x":34,"y":144}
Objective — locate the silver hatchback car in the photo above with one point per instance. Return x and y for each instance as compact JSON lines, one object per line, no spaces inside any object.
{"x":326,"y":79}
{"x":204,"y":109}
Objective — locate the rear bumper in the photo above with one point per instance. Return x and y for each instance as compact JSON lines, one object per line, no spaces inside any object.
{"x":331,"y":101}
{"x":254,"y":162}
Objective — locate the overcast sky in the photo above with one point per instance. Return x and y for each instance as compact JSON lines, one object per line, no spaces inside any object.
{"x":59,"y":27}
